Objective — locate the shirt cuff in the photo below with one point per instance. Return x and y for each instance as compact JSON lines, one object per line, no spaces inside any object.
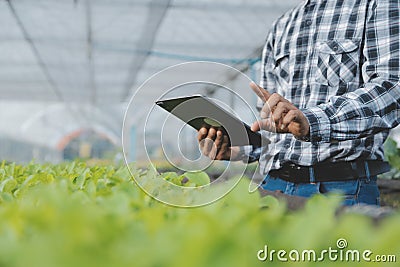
{"x":248,"y":154}
{"x":320,"y":126}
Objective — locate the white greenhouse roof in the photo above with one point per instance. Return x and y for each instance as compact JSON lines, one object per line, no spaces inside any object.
{"x":89,"y":56}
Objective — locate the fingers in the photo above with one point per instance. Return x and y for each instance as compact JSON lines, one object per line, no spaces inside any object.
{"x":224,"y":148}
{"x":208,"y":142}
{"x":202,"y":134}
{"x":282,"y":108}
{"x":266,"y":124}
{"x":213,"y":143}
{"x":279,"y":115}
{"x":256,"y":126}
{"x":261,"y":92}
{"x":283,"y":116}
{"x":290,"y":117}
{"x":201,"y":137}
{"x":216,"y":146}
{"x":274,"y":110}
{"x":272,"y":104}
{"x":296,"y":123}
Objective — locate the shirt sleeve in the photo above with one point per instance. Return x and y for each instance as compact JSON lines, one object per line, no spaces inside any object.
{"x":251,"y":154}
{"x":268,"y":77}
{"x":248,"y":154}
{"x":375,"y":106}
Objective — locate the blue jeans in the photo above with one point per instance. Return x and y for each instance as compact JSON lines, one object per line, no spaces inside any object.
{"x":363,"y":190}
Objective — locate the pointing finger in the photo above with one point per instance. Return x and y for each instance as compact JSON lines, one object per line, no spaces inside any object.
{"x":261,"y":92}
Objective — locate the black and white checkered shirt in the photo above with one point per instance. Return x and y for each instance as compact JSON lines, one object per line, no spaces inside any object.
{"x":339,"y":62}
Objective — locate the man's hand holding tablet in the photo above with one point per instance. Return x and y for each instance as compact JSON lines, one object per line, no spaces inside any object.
{"x":215,"y":145}
{"x":277,"y":115}
{"x":220,"y":133}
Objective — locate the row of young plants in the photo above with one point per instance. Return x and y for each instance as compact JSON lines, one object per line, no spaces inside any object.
{"x":392,"y":154}
{"x":73,"y":214}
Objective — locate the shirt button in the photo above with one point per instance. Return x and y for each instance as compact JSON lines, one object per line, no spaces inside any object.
{"x":287,"y":146}
{"x":308,"y":22}
{"x":335,"y":48}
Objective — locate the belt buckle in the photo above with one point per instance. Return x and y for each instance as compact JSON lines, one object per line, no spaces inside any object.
{"x":294,"y":172}
{"x":299,"y":173}
{"x":284,"y":172}
{"x":294,"y":166}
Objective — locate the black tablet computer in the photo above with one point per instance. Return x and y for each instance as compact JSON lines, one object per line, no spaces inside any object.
{"x":199,"y":111}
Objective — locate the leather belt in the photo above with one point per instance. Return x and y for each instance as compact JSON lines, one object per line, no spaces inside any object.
{"x":330,"y":171}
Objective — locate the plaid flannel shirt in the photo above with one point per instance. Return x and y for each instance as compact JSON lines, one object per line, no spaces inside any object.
{"x":338,"y":61}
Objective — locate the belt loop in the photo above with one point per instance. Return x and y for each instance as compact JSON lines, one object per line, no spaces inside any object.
{"x":367,"y":173}
{"x":312,"y":177}
{"x":354,"y":170}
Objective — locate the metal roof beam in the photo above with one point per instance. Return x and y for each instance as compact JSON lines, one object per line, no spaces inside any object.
{"x":155,"y":15}
{"x":35,"y":51}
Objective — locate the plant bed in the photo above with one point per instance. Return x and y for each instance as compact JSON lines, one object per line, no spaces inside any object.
{"x":389,"y":188}
{"x":75,"y":215}
{"x":390,"y":192}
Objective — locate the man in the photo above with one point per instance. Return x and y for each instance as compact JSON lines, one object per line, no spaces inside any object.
{"x":330,"y":69}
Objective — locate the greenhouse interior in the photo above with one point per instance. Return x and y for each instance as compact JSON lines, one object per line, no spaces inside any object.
{"x":70,"y":68}
{"x":93,"y":172}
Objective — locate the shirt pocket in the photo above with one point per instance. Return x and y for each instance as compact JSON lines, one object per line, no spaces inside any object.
{"x":337,"y":62}
{"x":282,"y":70}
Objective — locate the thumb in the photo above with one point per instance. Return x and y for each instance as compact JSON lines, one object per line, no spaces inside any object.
{"x":256,"y":126}
{"x":266,"y":124}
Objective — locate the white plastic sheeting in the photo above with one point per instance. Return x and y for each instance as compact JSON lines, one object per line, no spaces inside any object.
{"x":69,"y":64}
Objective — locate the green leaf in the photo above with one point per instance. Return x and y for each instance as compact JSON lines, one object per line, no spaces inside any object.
{"x":390,"y":147}
{"x":8,"y":185}
{"x":168,"y":176}
{"x":199,"y":178}
{"x":269,"y":202}
{"x":80,"y":180}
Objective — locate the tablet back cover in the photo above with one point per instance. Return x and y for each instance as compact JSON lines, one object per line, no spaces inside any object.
{"x":199,"y":111}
